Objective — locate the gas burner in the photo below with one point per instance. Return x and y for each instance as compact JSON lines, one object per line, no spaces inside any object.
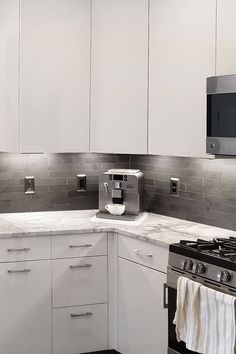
{"x":203,"y":245}
{"x":223,"y":248}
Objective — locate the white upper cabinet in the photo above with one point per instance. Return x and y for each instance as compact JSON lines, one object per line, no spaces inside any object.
{"x":226,"y":34}
{"x":9,"y":53}
{"x":182,"y":56}
{"x":119,"y":76}
{"x":54,"y":75}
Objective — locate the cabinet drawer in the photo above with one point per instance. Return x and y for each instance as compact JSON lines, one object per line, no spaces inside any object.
{"x":80,"y":329}
{"x":93,"y":244}
{"x":79,"y":281}
{"x":144,"y":253}
{"x":25,"y":248}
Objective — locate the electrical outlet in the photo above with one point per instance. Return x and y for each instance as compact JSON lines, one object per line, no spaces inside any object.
{"x":174,"y":187}
{"x":29,"y":185}
{"x":81,"y":183}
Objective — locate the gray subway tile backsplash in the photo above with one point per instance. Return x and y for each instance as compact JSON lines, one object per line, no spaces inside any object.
{"x":207,"y":186}
{"x":55,"y":177}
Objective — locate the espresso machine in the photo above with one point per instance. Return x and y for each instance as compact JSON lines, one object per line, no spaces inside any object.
{"x":121,"y":186}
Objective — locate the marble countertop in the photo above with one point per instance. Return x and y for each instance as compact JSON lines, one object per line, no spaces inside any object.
{"x":154,"y":228}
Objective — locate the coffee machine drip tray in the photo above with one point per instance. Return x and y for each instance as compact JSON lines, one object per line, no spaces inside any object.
{"x":124,"y":217}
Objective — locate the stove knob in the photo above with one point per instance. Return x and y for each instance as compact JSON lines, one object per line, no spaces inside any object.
{"x":188,"y":265}
{"x":223,"y":277}
{"x":199,"y":268}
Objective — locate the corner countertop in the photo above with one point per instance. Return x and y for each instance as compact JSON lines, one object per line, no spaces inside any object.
{"x":154,"y":228}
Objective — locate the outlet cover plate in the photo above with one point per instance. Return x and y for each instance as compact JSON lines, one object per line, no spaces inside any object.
{"x":29,"y":185}
{"x":174,"y":187}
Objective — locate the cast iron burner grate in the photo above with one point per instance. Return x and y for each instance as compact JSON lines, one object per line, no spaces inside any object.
{"x":219,"y":247}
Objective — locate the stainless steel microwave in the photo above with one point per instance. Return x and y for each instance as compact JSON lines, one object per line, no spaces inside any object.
{"x":221,"y":115}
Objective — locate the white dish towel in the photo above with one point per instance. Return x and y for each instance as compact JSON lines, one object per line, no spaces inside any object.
{"x":205,"y":318}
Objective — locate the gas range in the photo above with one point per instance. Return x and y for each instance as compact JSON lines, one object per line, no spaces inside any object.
{"x":215,"y":260}
{"x":211,"y":263}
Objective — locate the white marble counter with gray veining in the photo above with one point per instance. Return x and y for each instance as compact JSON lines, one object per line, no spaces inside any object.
{"x":154,"y":228}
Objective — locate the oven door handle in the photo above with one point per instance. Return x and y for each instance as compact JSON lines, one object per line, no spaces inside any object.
{"x":165,"y":296}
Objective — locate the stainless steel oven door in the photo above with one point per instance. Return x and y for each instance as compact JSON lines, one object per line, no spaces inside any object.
{"x":175,"y":347}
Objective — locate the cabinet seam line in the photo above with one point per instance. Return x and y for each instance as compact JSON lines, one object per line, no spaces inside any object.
{"x":216,"y":35}
{"x":148,"y":74}
{"x":19,"y":81}
{"x":90,"y":75}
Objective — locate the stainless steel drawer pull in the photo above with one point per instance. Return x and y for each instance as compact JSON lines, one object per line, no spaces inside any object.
{"x":26,"y":270}
{"x":80,"y":246}
{"x":85,"y":314}
{"x":26,"y":249}
{"x":80,"y":266}
{"x":142,"y":253}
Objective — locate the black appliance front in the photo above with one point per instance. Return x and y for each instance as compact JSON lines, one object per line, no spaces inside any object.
{"x":221,"y":115}
{"x":173,"y":345}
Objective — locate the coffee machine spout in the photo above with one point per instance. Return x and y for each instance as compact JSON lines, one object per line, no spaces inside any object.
{"x":117,"y":196}
{"x":105,"y":187}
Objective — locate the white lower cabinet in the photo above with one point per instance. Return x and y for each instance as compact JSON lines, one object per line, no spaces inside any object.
{"x":79,"y":281}
{"x":80,"y":329}
{"x":142,"y":316}
{"x":60,"y":306}
{"x":25,"y":308}
{"x":17,"y":249}
{"x":79,"y":245}
{"x":80,"y":293}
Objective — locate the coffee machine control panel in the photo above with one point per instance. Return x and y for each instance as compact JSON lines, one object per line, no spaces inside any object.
{"x":117,"y":177}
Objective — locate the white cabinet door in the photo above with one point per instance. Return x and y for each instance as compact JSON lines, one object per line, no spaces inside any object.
{"x":79,"y":281}
{"x":142,"y":318}
{"x":25,"y":308}
{"x":226,"y":33}
{"x":182,"y":56}
{"x":54,"y":79}
{"x":143,"y":252}
{"x":15,"y":249}
{"x":119,"y":76}
{"x":9,"y":63}
{"x":79,"y":245}
{"x":80,"y":329}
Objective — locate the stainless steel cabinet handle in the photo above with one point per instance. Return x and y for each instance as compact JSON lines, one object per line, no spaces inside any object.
{"x":78,"y":246}
{"x":80,"y":266}
{"x":26,"y":270}
{"x":25,"y":249}
{"x":165,"y":296}
{"x":85,"y":314}
{"x":142,"y":253}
